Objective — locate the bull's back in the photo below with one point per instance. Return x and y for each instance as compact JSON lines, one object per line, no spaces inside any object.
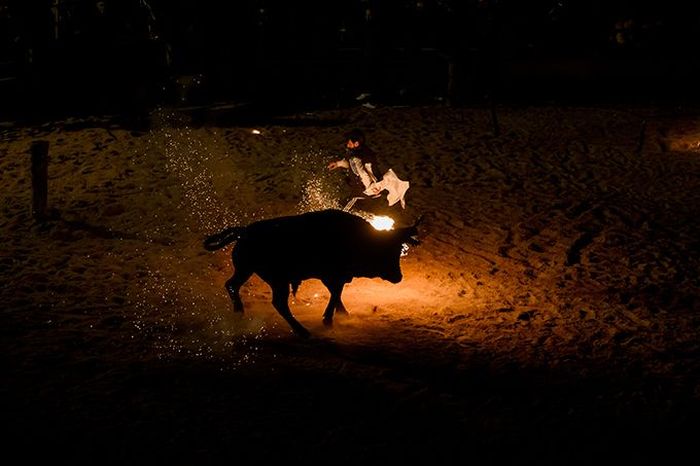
{"x":314,"y":244}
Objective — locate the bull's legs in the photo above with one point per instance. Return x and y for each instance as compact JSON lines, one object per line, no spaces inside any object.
{"x":335,"y":303}
{"x":280,"y":299}
{"x":233,"y":286}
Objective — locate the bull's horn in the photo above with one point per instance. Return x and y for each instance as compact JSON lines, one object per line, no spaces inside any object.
{"x":410,"y":235}
{"x":418,"y":222}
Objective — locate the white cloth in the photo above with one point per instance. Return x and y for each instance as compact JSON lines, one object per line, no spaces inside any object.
{"x":395,"y":187}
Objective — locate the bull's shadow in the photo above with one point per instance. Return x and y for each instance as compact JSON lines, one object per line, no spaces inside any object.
{"x":331,"y":245}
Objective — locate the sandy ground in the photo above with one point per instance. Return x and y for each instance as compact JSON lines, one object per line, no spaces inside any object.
{"x":550,"y":314}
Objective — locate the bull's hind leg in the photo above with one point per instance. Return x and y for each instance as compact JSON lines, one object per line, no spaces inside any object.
{"x":335,"y":303}
{"x":280,"y":299}
{"x":233,"y":286}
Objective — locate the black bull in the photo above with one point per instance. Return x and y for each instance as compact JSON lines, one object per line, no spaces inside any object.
{"x":332,"y":246}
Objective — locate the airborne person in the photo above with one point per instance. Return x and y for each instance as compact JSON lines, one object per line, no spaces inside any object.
{"x":361,"y":160}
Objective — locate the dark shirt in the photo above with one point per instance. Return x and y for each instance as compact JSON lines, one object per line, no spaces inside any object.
{"x":367,"y":155}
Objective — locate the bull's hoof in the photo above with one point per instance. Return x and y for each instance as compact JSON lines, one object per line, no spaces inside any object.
{"x":302,"y":332}
{"x":341,"y":310}
{"x":328,"y":321}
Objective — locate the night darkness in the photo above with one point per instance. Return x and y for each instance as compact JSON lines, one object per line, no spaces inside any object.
{"x":130,"y":54}
{"x":548,"y":314}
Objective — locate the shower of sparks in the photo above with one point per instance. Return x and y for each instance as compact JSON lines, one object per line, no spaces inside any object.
{"x":316,"y":196}
{"x":319,"y":190}
{"x":190,"y":160}
{"x":176,"y":311}
{"x":256,"y":131}
{"x":180,"y":321}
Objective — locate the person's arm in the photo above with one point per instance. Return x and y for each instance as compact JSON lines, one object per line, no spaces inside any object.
{"x":342,"y":163}
{"x":360,"y":169}
{"x":368,"y":169}
{"x":372,"y":186}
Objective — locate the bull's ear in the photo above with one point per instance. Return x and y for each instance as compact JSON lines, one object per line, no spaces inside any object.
{"x":410,"y":235}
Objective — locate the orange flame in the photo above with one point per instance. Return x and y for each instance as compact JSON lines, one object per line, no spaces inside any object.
{"x":382,"y":223}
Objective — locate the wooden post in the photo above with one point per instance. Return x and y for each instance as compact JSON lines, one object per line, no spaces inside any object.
{"x":40,"y":177}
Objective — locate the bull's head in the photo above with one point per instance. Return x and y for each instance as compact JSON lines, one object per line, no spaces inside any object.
{"x":393,"y":248}
{"x":410,"y":234}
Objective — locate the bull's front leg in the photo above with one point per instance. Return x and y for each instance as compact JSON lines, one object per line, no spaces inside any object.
{"x":280,"y":299}
{"x":335,"y":303}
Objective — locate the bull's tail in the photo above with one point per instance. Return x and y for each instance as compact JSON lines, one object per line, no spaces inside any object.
{"x":219,"y":240}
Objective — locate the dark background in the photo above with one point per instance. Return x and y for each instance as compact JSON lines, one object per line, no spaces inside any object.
{"x":61,"y":56}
